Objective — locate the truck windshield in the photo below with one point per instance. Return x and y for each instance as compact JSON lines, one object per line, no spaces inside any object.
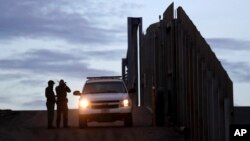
{"x":104,"y":87}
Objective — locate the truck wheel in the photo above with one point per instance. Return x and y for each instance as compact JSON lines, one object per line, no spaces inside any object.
{"x":128,"y":121}
{"x":82,"y":122}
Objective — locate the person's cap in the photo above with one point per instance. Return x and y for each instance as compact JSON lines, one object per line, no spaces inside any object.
{"x":51,"y":82}
{"x":62,"y":81}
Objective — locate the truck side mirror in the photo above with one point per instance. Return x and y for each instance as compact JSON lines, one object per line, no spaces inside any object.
{"x":76,"y":93}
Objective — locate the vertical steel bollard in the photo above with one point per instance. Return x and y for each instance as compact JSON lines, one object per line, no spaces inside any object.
{"x":153,"y":106}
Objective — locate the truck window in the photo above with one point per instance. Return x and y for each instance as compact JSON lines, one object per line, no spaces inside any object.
{"x":104,"y":87}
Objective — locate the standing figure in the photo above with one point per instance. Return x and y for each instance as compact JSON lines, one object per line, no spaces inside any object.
{"x":50,"y":95}
{"x":62,"y":103}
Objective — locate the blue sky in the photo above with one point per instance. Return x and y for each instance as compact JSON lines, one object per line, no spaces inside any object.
{"x":61,"y":39}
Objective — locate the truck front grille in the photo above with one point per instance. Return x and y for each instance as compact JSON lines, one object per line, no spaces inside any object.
{"x":105,"y":104}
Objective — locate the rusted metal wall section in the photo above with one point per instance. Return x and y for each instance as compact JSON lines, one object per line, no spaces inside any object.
{"x":178,"y":62}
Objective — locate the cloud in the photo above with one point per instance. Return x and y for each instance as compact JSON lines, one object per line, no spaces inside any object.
{"x":44,"y":62}
{"x":76,"y":22}
{"x":106,"y":54}
{"x":233,"y":53}
{"x":4,"y":99}
{"x":7,"y":75}
{"x":229,"y":44}
{"x":239,"y":71}
{"x":32,"y":82}
{"x":34,"y":103}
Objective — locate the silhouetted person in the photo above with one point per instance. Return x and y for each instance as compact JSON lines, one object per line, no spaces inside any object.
{"x":50,"y":95}
{"x":62,"y":106}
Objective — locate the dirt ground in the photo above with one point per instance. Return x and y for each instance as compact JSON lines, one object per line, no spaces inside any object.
{"x":32,"y":126}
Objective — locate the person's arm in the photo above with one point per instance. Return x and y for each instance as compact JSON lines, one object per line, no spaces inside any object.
{"x":57,"y":91}
{"x":68,"y":89}
{"x":46,"y":93}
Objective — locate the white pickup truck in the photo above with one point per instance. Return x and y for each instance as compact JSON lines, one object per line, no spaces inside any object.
{"x":104,"y":99}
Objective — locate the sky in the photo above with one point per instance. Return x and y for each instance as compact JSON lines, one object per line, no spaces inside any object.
{"x":70,"y":40}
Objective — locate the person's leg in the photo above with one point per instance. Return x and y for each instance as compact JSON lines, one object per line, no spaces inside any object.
{"x":50,"y":114}
{"x":58,"y":117}
{"x":65,"y":118}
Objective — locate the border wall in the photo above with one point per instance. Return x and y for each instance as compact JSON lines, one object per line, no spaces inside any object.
{"x":194,"y":92}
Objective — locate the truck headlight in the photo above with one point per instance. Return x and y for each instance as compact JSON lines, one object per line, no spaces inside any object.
{"x":125,"y":103}
{"x":84,"y":103}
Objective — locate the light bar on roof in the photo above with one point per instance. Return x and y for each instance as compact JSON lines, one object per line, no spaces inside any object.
{"x":105,"y":77}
